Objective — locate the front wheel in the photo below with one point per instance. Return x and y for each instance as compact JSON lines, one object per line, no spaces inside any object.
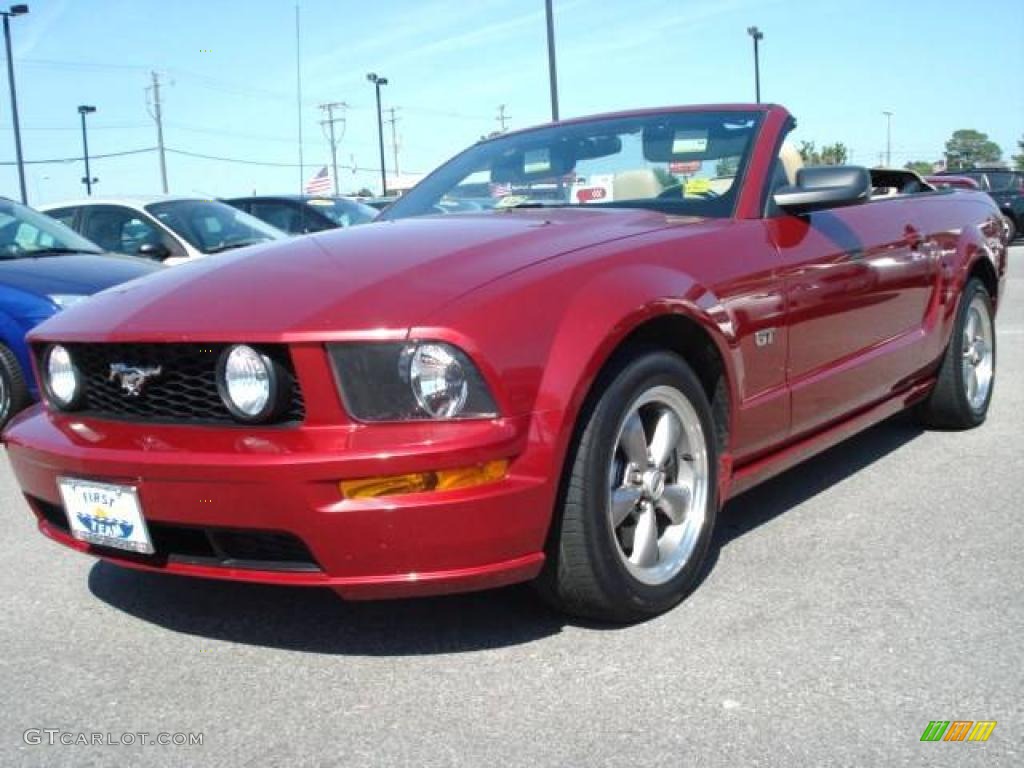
{"x":13,"y":391}
{"x":639,"y":499}
{"x":967,"y":375}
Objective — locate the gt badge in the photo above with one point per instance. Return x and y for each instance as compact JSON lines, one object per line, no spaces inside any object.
{"x":764,"y":337}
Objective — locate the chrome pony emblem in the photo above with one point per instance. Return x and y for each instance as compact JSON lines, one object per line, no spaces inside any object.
{"x":133,"y":378}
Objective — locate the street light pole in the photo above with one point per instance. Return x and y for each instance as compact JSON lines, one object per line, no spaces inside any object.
{"x":378,"y":81}
{"x":83,"y":111}
{"x":552,"y":68}
{"x":15,"y":10}
{"x":758,"y":36}
{"x":888,"y":139}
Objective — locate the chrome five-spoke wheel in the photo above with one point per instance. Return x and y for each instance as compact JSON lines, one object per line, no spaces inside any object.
{"x":978,"y":362}
{"x":659,"y":485}
{"x":967,"y":372}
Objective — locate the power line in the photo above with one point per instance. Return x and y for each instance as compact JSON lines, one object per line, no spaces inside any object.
{"x":238,"y":160}
{"x":271,"y":164}
{"x":108,"y":127}
{"x":502,"y":118}
{"x":78,"y":159}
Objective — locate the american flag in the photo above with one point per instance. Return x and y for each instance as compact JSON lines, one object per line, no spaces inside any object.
{"x":320,"y":184}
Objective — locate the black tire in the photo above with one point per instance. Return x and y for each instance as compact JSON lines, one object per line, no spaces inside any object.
{"x":13,"y":390}
{"x":584,"y":572}
{"x":1014,"y":230}
{"x":948,"y":405}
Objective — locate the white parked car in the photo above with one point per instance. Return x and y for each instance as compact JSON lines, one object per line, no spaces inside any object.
{"x":168,"y":229}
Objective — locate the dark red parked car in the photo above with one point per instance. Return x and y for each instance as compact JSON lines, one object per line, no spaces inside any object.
{"x":660,"y":310}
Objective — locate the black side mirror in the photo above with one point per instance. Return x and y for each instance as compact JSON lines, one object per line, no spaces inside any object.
{"x":826,"y":186}
{"x":155,"y":251}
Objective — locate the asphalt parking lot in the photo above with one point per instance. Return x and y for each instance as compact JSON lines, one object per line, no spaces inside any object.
{"x":848,"y":603}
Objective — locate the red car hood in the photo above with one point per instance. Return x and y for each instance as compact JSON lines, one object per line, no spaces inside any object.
{"x":379,"y":277}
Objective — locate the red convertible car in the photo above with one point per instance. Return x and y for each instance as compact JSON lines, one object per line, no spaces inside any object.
{"x":639,"y":316}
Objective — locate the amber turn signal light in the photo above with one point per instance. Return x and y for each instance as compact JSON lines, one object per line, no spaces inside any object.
{"x":420,"y":482}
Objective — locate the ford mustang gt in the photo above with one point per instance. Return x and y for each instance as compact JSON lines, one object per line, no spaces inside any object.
{"x":653,"y":312}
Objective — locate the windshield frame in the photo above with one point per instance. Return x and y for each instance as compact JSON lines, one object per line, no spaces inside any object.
{"x":415,"y":201}
{"x":158,"y":207}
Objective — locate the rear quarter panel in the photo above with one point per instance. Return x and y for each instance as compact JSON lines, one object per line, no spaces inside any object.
{"x":965,"y":229}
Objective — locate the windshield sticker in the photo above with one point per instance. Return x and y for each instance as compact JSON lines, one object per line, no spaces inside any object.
{"x":593,"y":189}
{"x":536,"y":161}
{"x":689,"y":142}
{"x":698,"y":186}
{"x":510,"y":201}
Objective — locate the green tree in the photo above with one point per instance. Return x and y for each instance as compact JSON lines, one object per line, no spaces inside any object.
{"x":1018,"y":160}
{"x":830,"y":154}
{"x":665,"y":178}
{"x":968,"y":148}
{"x":808,"y":153}
{"x":921,"y":167}
{"x":834,"y":154}
{"x":727,"y":166}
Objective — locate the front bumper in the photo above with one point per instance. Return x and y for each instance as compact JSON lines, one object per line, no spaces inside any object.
{"x":285,"y":481}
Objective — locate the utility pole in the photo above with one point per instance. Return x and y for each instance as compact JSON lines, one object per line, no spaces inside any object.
{"x":502,"y":117}
{"x":298,"y":98}
{"x":394,"y":135}
{"x":15,"y":10}
{"x":158,"y":117}
{"x":329,"y":122}
{"x":552,"y":67}
{"x":888,"y":139}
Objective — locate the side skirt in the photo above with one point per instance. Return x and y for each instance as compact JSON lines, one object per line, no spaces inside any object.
{"x":746,"y":477}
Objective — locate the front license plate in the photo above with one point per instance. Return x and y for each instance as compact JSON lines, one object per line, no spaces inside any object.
{"x":105,"y":514}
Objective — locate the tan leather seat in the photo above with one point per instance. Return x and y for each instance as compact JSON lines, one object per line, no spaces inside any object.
{"x":791,"y":161}
{"x":636,"y":185}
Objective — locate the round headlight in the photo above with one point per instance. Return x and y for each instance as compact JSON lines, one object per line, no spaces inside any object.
{"x":438,"y":381}
{"x":62,"y":380}
{"x":247,"y":383}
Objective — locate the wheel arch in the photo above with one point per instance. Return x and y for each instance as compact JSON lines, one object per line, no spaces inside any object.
{"x":683,"y":326}
{"x":983,"y":269}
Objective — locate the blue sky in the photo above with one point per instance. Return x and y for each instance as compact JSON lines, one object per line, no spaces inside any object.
{"x":229,"y":73}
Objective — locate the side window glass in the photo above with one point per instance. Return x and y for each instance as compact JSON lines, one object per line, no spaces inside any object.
{"x":65,"y":216}
{"x":120,"y":229}
{"x":284,"y":217}
{"x":135,"y":233}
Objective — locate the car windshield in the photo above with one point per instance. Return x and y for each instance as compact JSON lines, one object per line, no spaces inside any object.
{"x":210,"y":226}
{"x":677,"y":162}
{"x":25,"y":233}
{"x":344,"y":213}
{"x":1000,"y":181}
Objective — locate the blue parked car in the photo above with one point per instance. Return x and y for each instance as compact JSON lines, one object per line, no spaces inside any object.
{"x":44,"y":267}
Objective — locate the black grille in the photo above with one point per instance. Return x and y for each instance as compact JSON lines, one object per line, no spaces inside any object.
{"x":228,"y":547}
{"x":185,"y":390}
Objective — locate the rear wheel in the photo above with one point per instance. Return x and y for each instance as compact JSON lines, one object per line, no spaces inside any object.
{"x":639,"y":501}
{"x":13,"y":391}
{"x":963,"y":391}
